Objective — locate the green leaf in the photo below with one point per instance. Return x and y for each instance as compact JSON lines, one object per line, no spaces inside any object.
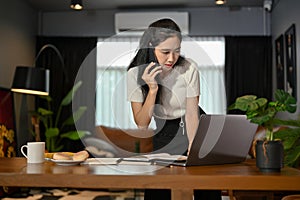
{"x":291,"y":143}
{"x":83,"y":133}
{"x":291,"y":107}
{"x":281,"y":95}
{"x":68,"y":98}
{"x":245,"y":102}
{"x":288,"y":101}
{"x":57,"y":148}
{"x":52,"y":132}
{"x":44,"y":111}
{"x":47,"y":98}
{"x":231,"y":107}
{"x":270,"y":112}
{"x":290,"y":122}
{"x":251,"y":114}
{"x":260,"y":119}
{"x":249,"y":103}
{"x":76,"y":116}
{"x":261,"y":102}
{"x":292,"y":157}
{"x":289,"y":137}
{"x":74,"y":135}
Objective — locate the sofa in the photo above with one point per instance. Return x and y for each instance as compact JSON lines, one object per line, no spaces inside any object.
{"x":115,"y":142}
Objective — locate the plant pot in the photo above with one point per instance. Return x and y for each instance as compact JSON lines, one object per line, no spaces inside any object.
{"x":269,"y":156}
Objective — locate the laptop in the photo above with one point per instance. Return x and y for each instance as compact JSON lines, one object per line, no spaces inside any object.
{"x":220,"y":139}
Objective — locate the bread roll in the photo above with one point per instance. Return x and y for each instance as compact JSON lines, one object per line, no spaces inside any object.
{"x":81,"y":155}
{"x":48,"y":155}
{"x":62,"y":156}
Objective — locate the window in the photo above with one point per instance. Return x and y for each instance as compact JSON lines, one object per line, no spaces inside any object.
{"x":115,"y":54}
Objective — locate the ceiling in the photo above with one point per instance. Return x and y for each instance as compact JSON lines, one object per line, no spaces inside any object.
{"x":63,"y":5}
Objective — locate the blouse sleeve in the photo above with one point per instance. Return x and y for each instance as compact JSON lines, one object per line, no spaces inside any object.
{"x":134,"y":91}
{"x":193,"y":81}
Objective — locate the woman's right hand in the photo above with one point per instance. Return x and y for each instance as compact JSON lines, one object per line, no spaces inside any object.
{"x":150,"y":72}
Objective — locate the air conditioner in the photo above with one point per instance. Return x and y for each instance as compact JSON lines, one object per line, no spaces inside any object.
{"x":137,"y":22}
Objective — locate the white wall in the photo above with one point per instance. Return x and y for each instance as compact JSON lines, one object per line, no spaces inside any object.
{"x":203,"y":21}
{"x":18,"y":29}
{"x":18,"y":25}
{"x":284,"y":14}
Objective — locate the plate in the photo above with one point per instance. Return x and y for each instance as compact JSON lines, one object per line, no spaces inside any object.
{"x":66,"y":162}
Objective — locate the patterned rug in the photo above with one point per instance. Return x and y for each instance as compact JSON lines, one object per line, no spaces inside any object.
{"x":71,"y":194}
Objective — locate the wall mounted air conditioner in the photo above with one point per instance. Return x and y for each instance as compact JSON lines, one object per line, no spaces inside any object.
{"x":137,"y":22}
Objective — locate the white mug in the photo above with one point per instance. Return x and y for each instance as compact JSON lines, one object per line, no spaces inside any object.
{"x":33,"y":168}
{"x":35,"y":152}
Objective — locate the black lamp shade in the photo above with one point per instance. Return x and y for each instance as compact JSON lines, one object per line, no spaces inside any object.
{"x":31,"y":80}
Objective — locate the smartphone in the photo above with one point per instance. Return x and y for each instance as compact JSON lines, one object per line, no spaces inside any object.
{"x":152,"y":58}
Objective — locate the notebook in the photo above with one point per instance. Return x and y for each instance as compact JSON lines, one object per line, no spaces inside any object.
{"x":220,"y":139}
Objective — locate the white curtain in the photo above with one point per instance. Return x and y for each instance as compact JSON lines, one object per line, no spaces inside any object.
{"x":115,"y":54}
{"x":209,"y":54}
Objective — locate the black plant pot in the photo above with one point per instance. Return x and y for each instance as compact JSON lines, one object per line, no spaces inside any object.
{"x":269,"y":156}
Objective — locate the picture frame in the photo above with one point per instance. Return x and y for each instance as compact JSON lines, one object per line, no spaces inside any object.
{"x":280,"y":67}
{"x":290,"y":51}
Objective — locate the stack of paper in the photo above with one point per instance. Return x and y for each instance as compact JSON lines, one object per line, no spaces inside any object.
{"x":145,"y":159}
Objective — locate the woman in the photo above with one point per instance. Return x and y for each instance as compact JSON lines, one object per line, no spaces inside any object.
{"x":164,"y":85}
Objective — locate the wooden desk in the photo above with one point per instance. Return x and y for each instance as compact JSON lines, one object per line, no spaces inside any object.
{"x":182,"y":181}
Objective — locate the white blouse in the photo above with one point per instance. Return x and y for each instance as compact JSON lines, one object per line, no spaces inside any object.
{"x":182,"y":82}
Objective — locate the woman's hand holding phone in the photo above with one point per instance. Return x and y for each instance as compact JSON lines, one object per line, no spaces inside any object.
{"x":150,"y":75}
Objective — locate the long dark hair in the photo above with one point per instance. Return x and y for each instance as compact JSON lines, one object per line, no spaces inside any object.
{"x":156,"y":33}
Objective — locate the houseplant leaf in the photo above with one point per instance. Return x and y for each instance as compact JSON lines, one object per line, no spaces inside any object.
{"x":295,"y":123}
{"x":291,"y":143}
{"x":76,"y":116}
{"x":243,"y":103}
{"x":289,"y":136}
{"x":44,"y":111}
{"x":74,"y":135}
{"x":57,"y":148}
{"x":68,"y":98}
{"x":47,"y":98}
{"x":287,"y":101}
{"x":52,"y":132}
{"x":292,"y":157}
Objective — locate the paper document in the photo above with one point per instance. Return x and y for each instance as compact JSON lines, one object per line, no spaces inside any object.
{"x":145,"y":159}
{"x":155,"y":157}
{"x":130,"y":162}
{"x":102,"y":161}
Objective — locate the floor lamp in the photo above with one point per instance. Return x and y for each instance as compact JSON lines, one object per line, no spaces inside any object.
{"x":34,"y":81}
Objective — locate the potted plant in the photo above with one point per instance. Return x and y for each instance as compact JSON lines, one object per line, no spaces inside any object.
{"x":269,"y":152}
{"x":54,"y":134}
